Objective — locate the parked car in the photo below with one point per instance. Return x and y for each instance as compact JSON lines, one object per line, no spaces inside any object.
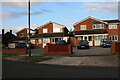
{"x":25,"y":45}
{"x":105,"y":43}
{"x":61,"y":42}
{"x":83,"y":44}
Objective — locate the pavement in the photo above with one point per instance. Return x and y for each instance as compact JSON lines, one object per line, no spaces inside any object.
{"x":92,"y":57}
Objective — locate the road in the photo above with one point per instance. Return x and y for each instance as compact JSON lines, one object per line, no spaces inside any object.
{"x":14,"y":69}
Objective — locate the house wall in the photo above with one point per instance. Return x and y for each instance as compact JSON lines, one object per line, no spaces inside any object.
{"x":50,"y":27}
{"x":89,"y":25}
{"x":24,"y":31}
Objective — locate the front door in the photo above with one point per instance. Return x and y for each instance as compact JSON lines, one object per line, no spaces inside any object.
{"x":45,"y":41}
{"x":89,"y":39}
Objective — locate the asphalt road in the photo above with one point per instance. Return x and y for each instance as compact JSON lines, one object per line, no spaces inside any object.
{"x":14,"y":69}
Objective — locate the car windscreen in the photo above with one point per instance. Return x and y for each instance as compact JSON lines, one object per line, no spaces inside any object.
{"x":83,"y":41}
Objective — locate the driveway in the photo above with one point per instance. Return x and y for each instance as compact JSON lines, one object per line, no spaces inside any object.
{"x":38,"y":51}
{"x":93,"y":51}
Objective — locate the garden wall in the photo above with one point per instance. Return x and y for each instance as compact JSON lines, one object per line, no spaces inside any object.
{"x":14,"y":51}
{"x":52,"y":49}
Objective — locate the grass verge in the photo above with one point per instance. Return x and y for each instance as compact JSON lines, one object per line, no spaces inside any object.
{"x":8,"y":55}
{"x":35,"y":58}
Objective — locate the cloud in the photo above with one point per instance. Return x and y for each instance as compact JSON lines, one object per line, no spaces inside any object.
{"x":19,"y":4}
{"x":34,"y":26}
{"x":8,"y":15}
{"x":68,"y":20}
{"x":102,"y":7}
{"x":16,"y":29}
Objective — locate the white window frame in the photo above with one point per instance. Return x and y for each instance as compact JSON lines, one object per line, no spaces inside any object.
{"x":83,"y":27}
{"x":53,"y":39}
{"x":95,"y":27}
{"x":56,"y":29}
{"x":112,"y":26}
{"x":32,"y":41}
{"x":113,"y":38}
{"x":22,"y":34}
{"x":45,"y":30}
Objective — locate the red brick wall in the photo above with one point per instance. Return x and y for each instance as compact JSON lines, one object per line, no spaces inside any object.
{"x":115,"y":48}
{"x":15,"y":51}
{"x":24,"y":31}
{"x":48,"y":26}
{"x":119,"y":32}
{"x":52,"y":49}
{"x":89,"y":23}
{"x":50,"y":29}
{"x":72,"y":41}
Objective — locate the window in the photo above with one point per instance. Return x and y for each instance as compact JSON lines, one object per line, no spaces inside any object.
{"x":98,"y":26}
{"x":80,"y":37}
{"x":21,"y":34}
{"x":45,"y":30}
{"x":99,"y":37}
{"x":83,"y":27}
{"x":39,"y":41}
{"x":113,"y":26}
{"x":32,"y":41}
{"x":113,"y":38}
{"x":56,"y":29}
{"x":55,"y":40}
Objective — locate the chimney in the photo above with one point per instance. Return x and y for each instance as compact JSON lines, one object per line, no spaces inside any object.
{"x":3,"y":31}
{"x":10,"y":31}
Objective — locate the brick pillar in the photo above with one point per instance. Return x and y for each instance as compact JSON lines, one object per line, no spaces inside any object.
{"x":46,"y":48}
{"x":70,"y":51}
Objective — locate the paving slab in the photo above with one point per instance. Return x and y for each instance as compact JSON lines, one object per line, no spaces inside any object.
{"x":108,"y":61}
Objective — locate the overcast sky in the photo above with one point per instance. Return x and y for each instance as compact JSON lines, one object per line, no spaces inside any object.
{"x":14,"y":14}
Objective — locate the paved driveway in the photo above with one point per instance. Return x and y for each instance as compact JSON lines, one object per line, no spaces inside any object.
{"x":93,"y":51}
{"x":38,"y":51}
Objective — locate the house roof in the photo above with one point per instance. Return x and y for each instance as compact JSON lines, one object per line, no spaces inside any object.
{"x":23,"y":29}
{"x":96,"y":31}
{"x":49,"y":23}
{"x":45,"y":35}
{"x":90,"y":18}
{"x":112,"y":21}
{"x":19,"y":38}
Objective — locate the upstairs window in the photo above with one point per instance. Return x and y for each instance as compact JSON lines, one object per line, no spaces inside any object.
{"x":56,"y":29}
{"x":83,"y":27}
{"x":98,"y":26}
{"x":112,"y":26}
{"x":21,"y":34}
{"x":45,"y":30}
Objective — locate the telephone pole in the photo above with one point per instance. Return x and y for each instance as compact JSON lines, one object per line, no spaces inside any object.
{"x":29,"y":51}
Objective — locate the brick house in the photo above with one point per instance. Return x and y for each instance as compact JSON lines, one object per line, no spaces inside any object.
{"x":94,"y":30}
{"x":23,"y":35}
{"x":49,"y":33}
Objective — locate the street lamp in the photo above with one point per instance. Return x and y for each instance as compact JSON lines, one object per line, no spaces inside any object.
{"x":29,"y":50}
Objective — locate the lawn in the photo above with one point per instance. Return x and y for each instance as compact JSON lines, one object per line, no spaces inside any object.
{"x":8,"y":55}
{"x":35,"y":58}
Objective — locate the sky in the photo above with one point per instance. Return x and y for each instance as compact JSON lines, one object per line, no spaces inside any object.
{"x":14,"y":14}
